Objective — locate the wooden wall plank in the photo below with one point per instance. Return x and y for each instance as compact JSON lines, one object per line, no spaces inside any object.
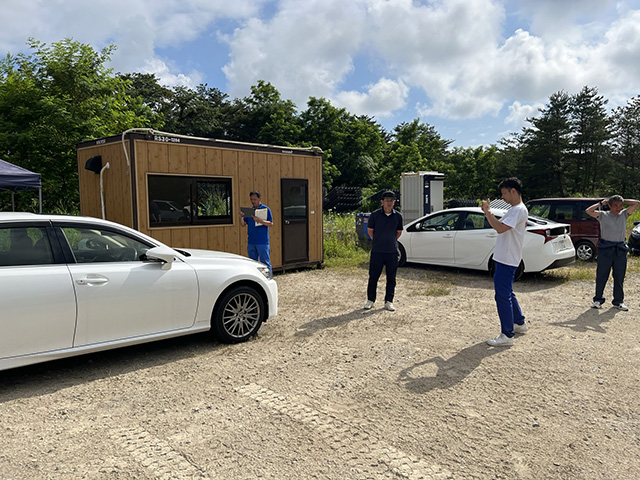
{"x":142,"y":166}
{"x":213,"y":161}
{"x":198,"y":238}
{"x":230,"y":167}
{"x":196,"y":161}
{"x":259,"y":181}
{"x":245,"y":186}
{"x":298,"y":166}
{"x":286,"y":166}
{"x":178,"y":159}
{"x":180,"y":237}
{"x":315,"y":195}
{"x":215,"y":238}
{"x":275,"y":204}
{"x":162,"y":235}
{"x":158,"y":155}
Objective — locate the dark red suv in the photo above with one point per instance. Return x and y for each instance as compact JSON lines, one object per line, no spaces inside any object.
{"x":585,"y":230}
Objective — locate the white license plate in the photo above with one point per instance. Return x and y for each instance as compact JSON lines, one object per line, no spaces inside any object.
{"x":562,"y":244}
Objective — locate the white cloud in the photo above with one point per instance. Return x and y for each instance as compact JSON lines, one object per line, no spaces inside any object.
{"x":444,"y":59}
{"x":306,"y":49}
{"x":518,"y":113}
{"x":166,"y":76}
{"x":137,"y":28}
{"x":380,"y":100}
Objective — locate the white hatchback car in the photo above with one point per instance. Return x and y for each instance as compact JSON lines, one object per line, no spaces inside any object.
{"x":462,"y":237}
{"x":73,"y":285}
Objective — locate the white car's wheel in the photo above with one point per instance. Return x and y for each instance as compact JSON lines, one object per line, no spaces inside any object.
{"x":238,"y":315}
{"x":402,"y":255}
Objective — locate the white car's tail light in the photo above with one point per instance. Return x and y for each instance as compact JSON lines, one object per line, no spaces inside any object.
{"x":546,"y":233}
{"x":551,"y":233}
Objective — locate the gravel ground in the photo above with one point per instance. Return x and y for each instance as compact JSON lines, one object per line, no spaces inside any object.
{"x":330,"y":391}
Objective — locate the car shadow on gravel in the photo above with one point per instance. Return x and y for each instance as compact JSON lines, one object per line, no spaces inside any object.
{"x":450,"y":371}
{"x":310,"y":328}
{"x":48,"y":377}
{"x":589,"y":321}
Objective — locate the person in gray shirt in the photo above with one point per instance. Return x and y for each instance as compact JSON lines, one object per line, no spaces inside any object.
{"x":612,"y":248}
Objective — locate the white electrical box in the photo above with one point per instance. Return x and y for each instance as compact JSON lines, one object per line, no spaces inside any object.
{"x":421,"y":193}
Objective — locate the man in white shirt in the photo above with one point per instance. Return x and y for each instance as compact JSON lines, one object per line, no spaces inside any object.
{"x":507,"y":255}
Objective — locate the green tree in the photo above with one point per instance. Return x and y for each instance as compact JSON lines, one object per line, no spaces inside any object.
{"x":471,"y":173}
{"x":546,"y":148}
{"x":55,"y":98}
{"x":415,"y":146}
{"x":625,"y":178}
{"x":353,"y":146}
{"x":148,"y":89}
{"x":203,"y":112}
{"x":264,"y":117}
{"x":590,"y":150}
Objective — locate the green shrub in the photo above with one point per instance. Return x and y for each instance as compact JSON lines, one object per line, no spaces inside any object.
{"x":341,"y":247}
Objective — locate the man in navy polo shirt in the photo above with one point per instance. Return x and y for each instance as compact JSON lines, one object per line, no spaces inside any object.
{"x":258,"y":231}
{"x":384,"y":228}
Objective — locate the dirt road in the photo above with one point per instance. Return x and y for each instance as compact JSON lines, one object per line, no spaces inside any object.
{"x":330,"y":391}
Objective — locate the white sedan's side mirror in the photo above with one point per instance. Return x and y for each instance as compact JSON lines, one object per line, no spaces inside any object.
{"x":165,"y":255}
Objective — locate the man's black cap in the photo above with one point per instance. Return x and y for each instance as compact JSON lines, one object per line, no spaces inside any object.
{"x":388,"y":194}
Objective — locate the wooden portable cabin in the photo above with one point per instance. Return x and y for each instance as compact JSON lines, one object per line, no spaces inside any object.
{"x":187,"y":191}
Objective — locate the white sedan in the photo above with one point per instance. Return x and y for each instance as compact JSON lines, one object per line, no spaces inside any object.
{"x":73,"y":285}
{"x":462,"y":237}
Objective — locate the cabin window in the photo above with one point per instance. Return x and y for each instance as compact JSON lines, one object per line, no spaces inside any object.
{"x":184,"y":200}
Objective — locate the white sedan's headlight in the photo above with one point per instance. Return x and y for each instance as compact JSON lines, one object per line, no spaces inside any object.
{"x":265,"y":271}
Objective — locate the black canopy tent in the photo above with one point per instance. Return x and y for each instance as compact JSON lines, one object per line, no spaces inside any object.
{"x":15,"y":178}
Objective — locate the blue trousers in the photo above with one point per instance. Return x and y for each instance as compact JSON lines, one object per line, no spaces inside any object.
{"x":260,"y":253}
{"x":376,"y":262}
{"x":610,"y":259}
{"x":508,"y":307}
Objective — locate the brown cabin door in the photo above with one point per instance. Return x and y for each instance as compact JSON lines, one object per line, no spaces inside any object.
{"x":295,"y":220}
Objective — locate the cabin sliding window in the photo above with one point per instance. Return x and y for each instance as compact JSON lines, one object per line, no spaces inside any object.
{"x":184,"y":200}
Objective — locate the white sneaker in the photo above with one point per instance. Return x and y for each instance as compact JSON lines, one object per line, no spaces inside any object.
{"x":622,"y":307}
{"x":596,"y":305}
{"x":389,"y":306}
{"x":500,"y":341}
{"x":368,"y":304}
{"x":517,"y":328}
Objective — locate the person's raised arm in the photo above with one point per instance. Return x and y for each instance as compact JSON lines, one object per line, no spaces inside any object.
{"x":592,"y":210}
{"x":496,"y":224}
{"x":633,"y":205}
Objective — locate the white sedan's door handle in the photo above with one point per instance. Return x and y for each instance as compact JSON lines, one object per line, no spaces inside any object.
{"x":92,"y":280}
{"x":448,"y":235}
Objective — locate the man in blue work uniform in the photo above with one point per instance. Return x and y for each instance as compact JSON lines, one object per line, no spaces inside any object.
{"x":258,"y":230}
{"x":384,"y":228}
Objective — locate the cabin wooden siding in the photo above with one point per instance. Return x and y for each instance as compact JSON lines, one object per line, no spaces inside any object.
{"x":126,"y":194}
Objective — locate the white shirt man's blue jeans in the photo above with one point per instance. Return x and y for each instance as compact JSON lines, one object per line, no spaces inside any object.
{"x":508,"y":307}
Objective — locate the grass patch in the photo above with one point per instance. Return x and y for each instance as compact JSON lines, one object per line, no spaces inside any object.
{"x":577,"y":271}
{"x":341,"y":249}
{"x":433,"y":288}
{"x":580,"y":271}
